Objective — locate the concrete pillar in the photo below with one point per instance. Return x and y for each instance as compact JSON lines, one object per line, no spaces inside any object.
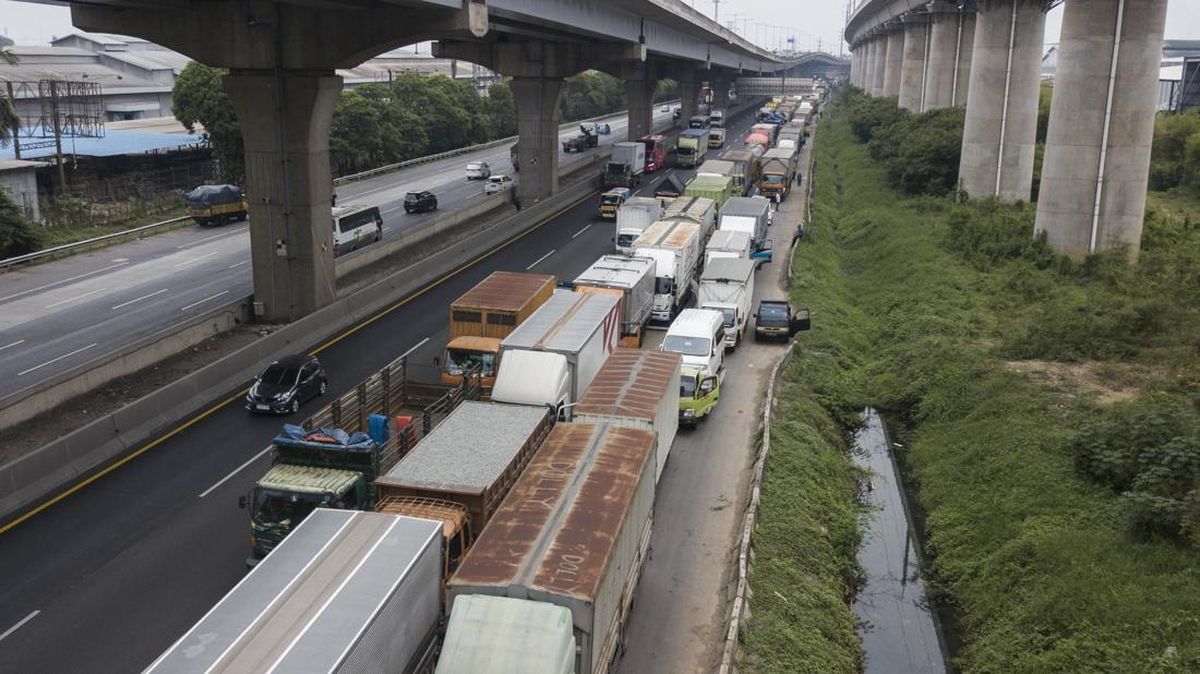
{"x":1001,"y":122}
{"x":945,"y":50}
{"x":893,"y":62}
{"x":285,"y":130}
{"x":915,"y":58}
{"x":537,"y":127}
{"x":689,"y":93}
{"x":853,"y":65}
{"x":1093,"y":192}
{"x":639,"y":96}
{"x":966,"y":53}
{"x":879,"y":69}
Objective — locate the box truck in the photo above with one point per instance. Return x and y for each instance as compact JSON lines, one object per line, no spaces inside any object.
{"x":717,"y":188}
{"x":625,"y":167}
{"x":700,"y":210}
{"x":675,"y":248}
{"x":777,"y":173}
{"x":692,"y":146}
{"x":633,"y":217}
{"x":727,"y":286}
{"x":727,"y":244}
{"x":633,"y":277}
{"x":749,"y":215}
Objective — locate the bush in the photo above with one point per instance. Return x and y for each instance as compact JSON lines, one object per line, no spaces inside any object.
{"x":18,"y":235}
{"x":870,"y":116}
{"x":921,"y":152}
{"x":1175,"y":157}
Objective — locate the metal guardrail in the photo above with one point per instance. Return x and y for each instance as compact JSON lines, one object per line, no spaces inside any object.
{"x":5,"y":264}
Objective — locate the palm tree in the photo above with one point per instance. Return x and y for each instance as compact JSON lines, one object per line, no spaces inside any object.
{"x":9,"y":121}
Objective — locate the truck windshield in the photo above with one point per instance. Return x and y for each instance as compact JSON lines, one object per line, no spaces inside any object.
{"x":462,"y":360}
{"x":626,"y":240}
{"x":664,"y":285}
{"x":687,"y":387}
{"x":773,"y":179}
{"x":685,"y":150}
{"x":729,"y":314}
{"x":687,"y":346}
{"x":775,"y":313}
{"x":610,"y":199}
{"x":283,"y":509}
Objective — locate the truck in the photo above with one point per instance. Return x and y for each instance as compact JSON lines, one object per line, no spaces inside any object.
{"x":633,"y":277}
{"x":551,"y":358}
{"x":674,"y":246}
{"x":693,"y":145}
{"x":758,"y":137}
{"x":725,"y":243}
{"x":633,"y":217}
{"x":727,"y":286}
{"x":637,"y":389}
{"x":501,"y":635}
{"x":656,"y":152}
{"x":700,"y":210}
{"x":698,"y":122}
{"x":486,"y":314}
{"x":626,"y":166}
{"x":716,"y":118}
{"x":745,"y":167}
{"x":796,"y":137}
{"x":582,"y":141}
{"x":699,"y":393}
{"x":777,"y":173}
{"x":346,"y":592}
{"x":573,"y":532}
{"x":216,"y":204}
{"x":717,"y":188}
{"x":715,"y":167}
{"x":750,"y":215}
{"x":716,"y":138}
{"x":612,"y":200}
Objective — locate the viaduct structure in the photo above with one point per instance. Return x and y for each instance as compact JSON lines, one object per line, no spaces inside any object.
{"x":986,"y":55}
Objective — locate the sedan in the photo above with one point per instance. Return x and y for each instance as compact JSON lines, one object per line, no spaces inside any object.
{"x":286,"y":384}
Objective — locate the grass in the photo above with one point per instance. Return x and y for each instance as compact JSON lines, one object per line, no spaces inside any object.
{"x":64,"y":234}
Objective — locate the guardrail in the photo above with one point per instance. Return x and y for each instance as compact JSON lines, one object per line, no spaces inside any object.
{"x":5,"y":264}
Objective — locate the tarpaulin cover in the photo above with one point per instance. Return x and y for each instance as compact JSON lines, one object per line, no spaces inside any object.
{"x":297,"y":436}
{"x":209,"y":195}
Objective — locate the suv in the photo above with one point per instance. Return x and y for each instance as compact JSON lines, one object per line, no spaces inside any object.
{"x":420,"y":202}
{"x":478,"y":170}
{"x":497,"y":183}
{"x":774,"y":319}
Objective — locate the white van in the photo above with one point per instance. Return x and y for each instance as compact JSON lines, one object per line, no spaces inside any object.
{"x":699,"y":336}
{"x":355,"y":227}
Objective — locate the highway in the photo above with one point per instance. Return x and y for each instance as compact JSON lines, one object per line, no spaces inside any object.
{"x":57,"y":315}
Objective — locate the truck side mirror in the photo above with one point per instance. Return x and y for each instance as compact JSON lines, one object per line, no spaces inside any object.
{"x":242,"y":502}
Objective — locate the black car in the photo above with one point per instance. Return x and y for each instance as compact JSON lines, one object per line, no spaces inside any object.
{"x":286,"y":384}
{"x":420,"y":202}
{"x":775,"y":320}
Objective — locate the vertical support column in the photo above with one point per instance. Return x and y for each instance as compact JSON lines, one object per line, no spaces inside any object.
{"x":1000,"y":131}
{"x":689,"y":91}
{"x":1093,"y":193}
{"x":893,"y":62}
{"x":913,"y":64}
{"x":879,"y":69}
{"x":966,"y":53}
{"x":944,"y":44}
{"x":537,"y":129}
{"x":639,"y":95}
{"x":285,"y":118}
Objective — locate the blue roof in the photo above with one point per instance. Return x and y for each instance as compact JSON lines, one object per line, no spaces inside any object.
{"x":113,"y":143}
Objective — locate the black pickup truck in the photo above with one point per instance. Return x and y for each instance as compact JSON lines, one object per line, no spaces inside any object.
{"x":775,"y":320}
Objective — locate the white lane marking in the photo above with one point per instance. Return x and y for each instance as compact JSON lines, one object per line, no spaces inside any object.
{"x":535,"y":262}
{"x":415,"y":347}
{"x":55,"y":360}
{"x":205,"y":239}
{"x":198,"y":302}
{"x":72,"y":299}
{"x":234,"y":266}
{"x":16,"y":627}
{"x":66,"y":280}
{"x":143,"y":297}
{"x":390,"y":210}
{"x":120,"y":259}
{"x":195,"y":259}
{"x":581,"y":231}
{"x":237,"y":470}
{"x":19,"y":341}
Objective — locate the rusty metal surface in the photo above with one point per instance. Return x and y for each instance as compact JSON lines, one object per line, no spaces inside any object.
{"x":681,"y":233}
{"x":631,"y":384}
{"x":505,"y":291}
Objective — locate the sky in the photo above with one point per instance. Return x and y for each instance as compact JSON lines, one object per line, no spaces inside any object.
{"x":814,"y":23}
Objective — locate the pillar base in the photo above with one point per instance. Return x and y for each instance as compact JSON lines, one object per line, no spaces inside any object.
{"x":537,"y":126}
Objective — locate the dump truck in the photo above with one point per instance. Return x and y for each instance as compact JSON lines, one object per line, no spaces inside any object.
{"x":346,"y":592}
{"x":633,"y":217}
{"x":573,"y":532}
{"x":745,"y":167}
{"x":638,"y":389}
{"x":716,"y":138}
{"x":633,"y":277}
{"x":584,"y":140}
{"x":717,"y":188}
{"x":626,"y":166}
{"x":750,"y":215}
{"x":674,"y":246}
{"x":777,"y":173}
{"x":691,"y":148}
{"x":501,"y":635}
{"x":727,"y":286}
{"x":700,"y":210}
{"x":486,"y":314}
{"x":216,"y":204}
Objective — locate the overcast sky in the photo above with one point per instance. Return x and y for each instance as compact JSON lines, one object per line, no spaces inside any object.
{"x":813,"y":22}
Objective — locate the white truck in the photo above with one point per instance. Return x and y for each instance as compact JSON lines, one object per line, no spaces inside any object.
{"x":626,"y":166}
{"x":633,"y":217}
{"x":700,"y":210}
{"x":727,"y":244}
{"x":552,"y":356}
{"x":675,"y":248}
{"x":501,"y":635}
{"x":631,"y":277}
{"x":727,"y":286}
{"x":749,"y":215}
{"x":698,"y":335}
{"x":716,"y":167}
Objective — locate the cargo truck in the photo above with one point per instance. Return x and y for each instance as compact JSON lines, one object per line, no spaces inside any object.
{"x":633,"y":277}
{"x":693,"y":145}
{"x":749,"y":215}
{"x":638,"y":389}
{"x":486,"y":314}
{"x":716,"y":138}
{"x":727,"y":244}
{"x":656,"y":152}
{"x":625,"y":167}
{"x":716,"y":118}
{"x":777,"y":174}
{"x":501,"y":635}
{"x":675,"y":248}
{"x":633,"y":217}
{"x":715,"y":167}
{"x":727,"y":286}
{"x":612,"y":200}
{"x":699,"y":393}
{"x":216,"y":204}
{"x":745,"y":167}
{"x":700,"y":210}
{"x":573,"y":532}
{"x":347,"y":592}
{"x":717,"y":188}
{"x":698,"y":122}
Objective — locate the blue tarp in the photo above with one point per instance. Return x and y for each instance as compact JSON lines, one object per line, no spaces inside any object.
{"x":296,"y":436}
{"x":112,"y":144}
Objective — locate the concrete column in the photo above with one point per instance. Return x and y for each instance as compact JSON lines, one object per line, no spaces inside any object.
{"x":1001,"y":123}
{"x":639,"y":95}
{"x":853,"y":65}
{"x":689,"y":93}
{"x":537,"y":127}
{"x":1093,"y":192}
{"x":880,"y":67}
{"x":285,"y":130}
{"x":912,"y":68}
{"x":966,"y":53}
{"x":893,"y":62}
{"x":945,"y":50}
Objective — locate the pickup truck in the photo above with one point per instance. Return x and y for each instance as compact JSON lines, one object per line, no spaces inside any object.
{"x":583,"y":141}
{"x":774,"y":319}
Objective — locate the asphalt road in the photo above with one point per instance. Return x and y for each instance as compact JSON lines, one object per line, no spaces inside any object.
{"x":110,"y":576}
{"x":57,"y":315}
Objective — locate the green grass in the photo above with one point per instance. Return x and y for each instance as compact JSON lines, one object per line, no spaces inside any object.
{"x":64,"y":234}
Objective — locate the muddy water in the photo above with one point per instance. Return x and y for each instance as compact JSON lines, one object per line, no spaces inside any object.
{"x":900,"y":633}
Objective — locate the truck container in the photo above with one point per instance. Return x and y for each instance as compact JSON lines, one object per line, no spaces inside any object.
{"x":626,"y":166}
{"x":794,"y":135}
{"x":750,"y":215}
{"x":725,"y":243}
{"x":347,"y":592}
{"x":778,"y":172}
{"x":573,"y":532}
{"x":745,"y":167}
{"x":501,"y":635}
{"x":633,"y":217}
{"x":675,"y":248}
{"x":700,"y":210}
{"x":486,"y":314}
{"x":656,"y":152}
{"x":717,"y":188}
{"x":638,"y":389}
{"x":716,"y":138}
{"x":633,"y":277}
{"x":558,"y":350}
{"x":693,"y":145}
{"x":770,"y":129}
{"x":715,"y":167}
{"x":727,"y":286}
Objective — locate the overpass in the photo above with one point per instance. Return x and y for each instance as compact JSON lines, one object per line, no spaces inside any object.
{"x":986,"y":55}
{"x":282,"y":54}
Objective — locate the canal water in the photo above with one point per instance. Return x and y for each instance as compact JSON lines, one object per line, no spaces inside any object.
{"x":899,"y":630}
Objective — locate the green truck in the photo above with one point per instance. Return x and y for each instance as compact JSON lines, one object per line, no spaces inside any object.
{"x":716,"y":187}
{"x":699,"y":393}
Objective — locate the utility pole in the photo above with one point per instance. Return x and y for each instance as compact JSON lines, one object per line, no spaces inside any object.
{"x":717,"y":11}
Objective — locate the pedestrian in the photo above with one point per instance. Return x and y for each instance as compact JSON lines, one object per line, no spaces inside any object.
{"x":799,"y":178}
{"x":516,"y":201}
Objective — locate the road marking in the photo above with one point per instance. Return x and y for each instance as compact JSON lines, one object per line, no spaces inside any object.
{"x":415,"y":347}
{"x":237,"y":470}
{"x":581,"y":231}
{"x":66,"y":280}
{"x":143,"y":297}
{"x":198,"y":302}
{"x":19,"y":341}
{"x":55,"y":360}
{"x":16,"y":627}
{"x":72,"y":299}
{"x":535,"y":262}
{"x":195,"y":259}
{"x":234,"y":266}
{"x":393,"y":209}
{"x":206,"y":239}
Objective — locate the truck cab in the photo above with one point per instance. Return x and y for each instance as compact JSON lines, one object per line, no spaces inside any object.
{"x":612,"y":200}
{"x":699,"y":392}
{"x":465,"y":354}
{"x":287,"y":494}
{"x":535,"y":378}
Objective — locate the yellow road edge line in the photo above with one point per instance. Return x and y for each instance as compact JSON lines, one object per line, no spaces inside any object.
{"x":203,"y":415}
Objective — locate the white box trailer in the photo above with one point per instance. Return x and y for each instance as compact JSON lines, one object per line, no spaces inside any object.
{"x":749,"y":215}
{"x":499,"y":635}
{"x":347,"y":591}
{"x":633,"y":277}
{"x":675,"y":248}
{"x":727,"y":286}
{"x":727,"y":244}
{"x":638,"y":389}
{"x":632,"y":153}
{"x":573,"y":532}
{"x":700,"y":210}
{"x":633,"y":217}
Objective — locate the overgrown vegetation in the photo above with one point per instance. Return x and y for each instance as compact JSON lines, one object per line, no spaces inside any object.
{"x":920,"y":152}
{"x":18,"y":235}
{"x":1175,"y":160}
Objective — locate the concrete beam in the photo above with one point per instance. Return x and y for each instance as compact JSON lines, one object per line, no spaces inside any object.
{"x":913,"y":67}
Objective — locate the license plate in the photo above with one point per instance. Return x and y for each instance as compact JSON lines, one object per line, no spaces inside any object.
{"x":262,"y":407}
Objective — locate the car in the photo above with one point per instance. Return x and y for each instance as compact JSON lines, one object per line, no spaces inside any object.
{"x":286,"y":384}
{"x":420,"y":202}
{"x":478,"y":170}
{"x":497,"y":183}
{"x":665,"y":108}
{"x":775,"y":319}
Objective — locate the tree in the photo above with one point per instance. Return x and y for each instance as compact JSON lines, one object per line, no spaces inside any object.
{"x":17,"y":235}
{"x":666,"y":90}
{"x":498,"y":113}
{"x":200,"y":98}
{"x":356,"y":133}
{"x":10,"y":122}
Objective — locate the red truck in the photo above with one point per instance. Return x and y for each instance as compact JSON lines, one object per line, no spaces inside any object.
{"x":656,"y":152}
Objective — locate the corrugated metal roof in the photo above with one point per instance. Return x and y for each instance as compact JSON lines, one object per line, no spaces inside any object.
{"x":706,"y":181}
{"x":563,"y":324}
{"x":724,"y":239}
{"x":308,"y":479}
{"x":631,"y":383}
{"x":504,"y":291}
{"x":112,"y":144}
{"x":693,"y":207}
{"x":752,"y":206}
{"x":616,"y":271}
{"x":736,"y":269}
{"x":500,"y":635}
